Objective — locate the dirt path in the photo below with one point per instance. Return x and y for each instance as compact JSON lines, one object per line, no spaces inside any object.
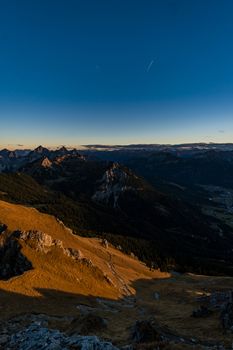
{"x":124,"y":286}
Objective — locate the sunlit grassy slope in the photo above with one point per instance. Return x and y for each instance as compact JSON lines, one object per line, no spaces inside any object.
{"x":55,"y":271}
{"x":57,"y":285}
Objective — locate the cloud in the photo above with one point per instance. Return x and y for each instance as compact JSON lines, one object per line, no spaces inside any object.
{"x":149,"y":66}
{"x":155,"y":60}
{"x":15,"y":145}
{"x":221,"y":131}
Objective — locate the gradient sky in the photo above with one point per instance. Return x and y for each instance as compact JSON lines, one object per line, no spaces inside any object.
{"x":115,"y":71}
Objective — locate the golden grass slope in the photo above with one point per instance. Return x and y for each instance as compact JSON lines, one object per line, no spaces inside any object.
{"x":58,"y":285}
{"x":55,"y":271}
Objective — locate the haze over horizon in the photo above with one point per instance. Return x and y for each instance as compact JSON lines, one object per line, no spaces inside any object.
{"x":114,"y":72}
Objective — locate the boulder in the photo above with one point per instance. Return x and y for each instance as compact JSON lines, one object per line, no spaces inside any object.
{"x":37,"y":337}
{"x":87,"y":262}
{"x":104,"y":243}
{"x":73,"y":253}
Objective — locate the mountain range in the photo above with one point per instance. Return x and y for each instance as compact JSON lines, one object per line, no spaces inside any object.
{"x":110,"y":249}
{"x":136,"y":201}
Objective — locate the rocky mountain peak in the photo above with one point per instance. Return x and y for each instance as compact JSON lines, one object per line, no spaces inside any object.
{"x":63,"y":150}
{"x":115,"y":181}
{"x":40,"y":149}
{"x":46,"y":163}
{"x":4,"y":152}
{"x":73,"y":157}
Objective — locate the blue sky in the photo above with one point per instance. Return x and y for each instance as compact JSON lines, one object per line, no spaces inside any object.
{"x":107,"y":71}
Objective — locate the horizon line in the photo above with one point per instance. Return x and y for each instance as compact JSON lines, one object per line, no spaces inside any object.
{"x":102,"y":145}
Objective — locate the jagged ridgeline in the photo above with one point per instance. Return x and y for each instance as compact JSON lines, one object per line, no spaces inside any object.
{"x":102,"y":198}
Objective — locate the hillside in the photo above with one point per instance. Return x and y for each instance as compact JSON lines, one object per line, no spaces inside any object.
{"x":106,"y":199}
{"x":101,"y":292}
{"x":97,"y":276}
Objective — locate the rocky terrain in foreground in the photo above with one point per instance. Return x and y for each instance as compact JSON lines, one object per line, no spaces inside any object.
{"x":31,"y":332}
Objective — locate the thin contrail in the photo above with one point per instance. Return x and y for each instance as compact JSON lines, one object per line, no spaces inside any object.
{"x":149,"y":66}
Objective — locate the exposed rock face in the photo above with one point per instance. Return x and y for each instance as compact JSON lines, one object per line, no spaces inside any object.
{"x":40,"y":331}
{"x":71,"y":157}
{"x":37,"y":337}
{"x":114,"y":182}
{"x":38,"y":153}
{"x":43,"y":242}
{"x":109,"y":280}
{"x":46,"y":163}
{"x":104,"y":243}
{"x":12,"y":261}
{"x":40,"y":240}
{"x":73,"y":253}
{"x":44,"y":158}
{"x":40,"y":149}
{"x":87,"y":262}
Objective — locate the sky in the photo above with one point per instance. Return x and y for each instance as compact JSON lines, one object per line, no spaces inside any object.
{"x":115,"y":72}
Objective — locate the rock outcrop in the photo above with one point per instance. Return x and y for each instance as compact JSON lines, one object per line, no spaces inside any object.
{"x":115,"y":181}
{"x":73,"y":253}
{"x":14,"y":263}
{"x":40,"y":241}
{"x":37,"y":337}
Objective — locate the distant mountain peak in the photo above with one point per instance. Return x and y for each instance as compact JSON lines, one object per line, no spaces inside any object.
{"x":46,"y":163}
{"x":63,"y":149}
{"x":40,"y":149}
{"x":5,"y":152}
{"x":69,"y":156}
{"x":115,"y":181}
